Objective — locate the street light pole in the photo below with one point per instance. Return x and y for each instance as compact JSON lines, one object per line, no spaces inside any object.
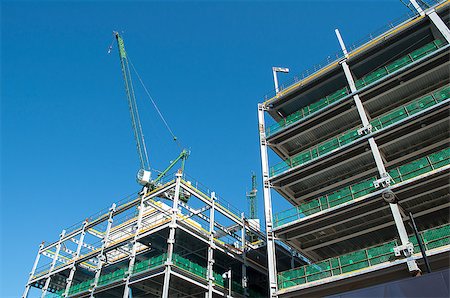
{"x":275,"y":78}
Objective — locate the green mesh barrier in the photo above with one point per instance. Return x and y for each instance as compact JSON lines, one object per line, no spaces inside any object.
{"x":375,"y":76}
{"x":328,"y":146}
{"x":420,"y":104}
{"x":349,"y":136}
{"x":318,"y":105}
{"x":337,"y":95}
{"x":442,"y":94}
{"x":399,"y":63}
{"x":441,"y":158}
{"x":339,"y":197}
{"x":357,"y":260}
{"x":366,"y":80}
{"x":415,"y":168}
{"x":362,"y":188}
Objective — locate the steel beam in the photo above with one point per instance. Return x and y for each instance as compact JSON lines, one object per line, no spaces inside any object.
{"x":69,"y":280}
{"x":52,"y":266}
{"x":385,"y":179}
{"x":171,"y":239}
{"x":101,"y":256}
{"x":33,"y":270}
{"x":137,"y":228}
{"x":440,"y":25}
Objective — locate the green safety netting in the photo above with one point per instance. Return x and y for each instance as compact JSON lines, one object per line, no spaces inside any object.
{"x":433,"y":238}
{"x":189,"y":266}
{"x":351,"y":135}
{"x":151,"y":263}
{"x":398,"y":174}
{"x":364,"y":81}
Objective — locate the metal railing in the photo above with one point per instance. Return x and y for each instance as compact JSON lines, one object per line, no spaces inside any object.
{"x":352,"y":135}
{"x":398,"y":174}
{"x":365,"y":258}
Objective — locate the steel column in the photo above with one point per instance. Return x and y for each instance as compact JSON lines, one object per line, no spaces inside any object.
{"x":52,"y":266}
{"x":271,"y":258}
{"x":211,"y":247}
{"x":101,"y":257}
{"x":171,"y":240}
{"x":440,"y":25}
{"x":33,"y":270}
{"x":244,"y":256}
{"x":417,"y":7}
{"x":385,"y":179}
{"x":77,"y":254}
{"x":137,"y":227}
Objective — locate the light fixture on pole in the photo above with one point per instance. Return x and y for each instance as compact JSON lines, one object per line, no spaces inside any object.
{"x":227,"y":275}
{"x":275,"y":78}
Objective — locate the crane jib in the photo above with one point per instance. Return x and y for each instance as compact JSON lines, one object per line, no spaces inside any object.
{"x":134,"y":113}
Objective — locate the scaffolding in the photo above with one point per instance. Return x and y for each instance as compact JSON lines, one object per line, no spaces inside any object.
{"x":363,"y":140}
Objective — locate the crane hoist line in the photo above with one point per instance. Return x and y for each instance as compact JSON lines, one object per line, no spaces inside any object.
{"x":144,"y":173}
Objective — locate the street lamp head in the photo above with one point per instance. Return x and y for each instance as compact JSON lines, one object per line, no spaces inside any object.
{"x":280,"y":69}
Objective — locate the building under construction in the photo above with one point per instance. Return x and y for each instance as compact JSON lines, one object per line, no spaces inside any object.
{"x":363,"y":143}
{"x":363,"y":150}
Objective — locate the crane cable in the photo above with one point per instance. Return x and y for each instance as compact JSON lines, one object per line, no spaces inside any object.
{"x":154,"y":105}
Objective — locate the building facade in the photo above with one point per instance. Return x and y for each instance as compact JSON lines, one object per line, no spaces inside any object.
{"x":363,"y":142}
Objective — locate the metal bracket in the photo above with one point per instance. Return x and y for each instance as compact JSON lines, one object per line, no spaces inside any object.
{"x":384,"y":181}
{"x":407,"y":250}
{"x":412,"y":265}
{"x":365,"y":130}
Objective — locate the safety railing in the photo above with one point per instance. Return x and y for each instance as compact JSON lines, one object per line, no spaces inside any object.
{"x":368,"y":79}
{"x":394,"y":116}
{"x":353,"y":46}
{"x":144,"y":266}
{"x":405,"y":18}
{"x":195,"y":184}
{"x":399,"y":63}
{"x":297,"y":79}
{"x":398,"y":174}
{"x":361,"y":259}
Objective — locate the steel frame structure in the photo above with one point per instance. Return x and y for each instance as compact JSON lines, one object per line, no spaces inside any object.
{"x":284,"y":183}
{"x":126,"y":242}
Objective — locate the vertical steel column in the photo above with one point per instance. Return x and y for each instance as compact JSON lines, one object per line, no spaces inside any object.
{"x":33,"y":270}
{"x":171,"y":240}
{"x":435,"y":19}
{"x":52,"y":266}
{"x":101,"y":256}
{"x":244,"y":256}
{"x":385,"y":179}
{"x":137,"y":227}
{"x":270,"y":239}
{"x":211,"y":247}
{"x":417,"y":7}
{"x":69,"y":280}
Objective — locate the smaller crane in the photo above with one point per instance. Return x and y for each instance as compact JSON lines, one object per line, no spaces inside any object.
{"x":251,"y":198}
{"x":253,"y":211}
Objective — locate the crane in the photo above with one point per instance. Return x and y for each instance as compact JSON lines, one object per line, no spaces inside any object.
{"x":144,"y":174}
{"x":251,"y":198}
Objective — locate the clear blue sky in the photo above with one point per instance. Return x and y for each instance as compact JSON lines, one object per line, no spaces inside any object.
{"x":67,"y":148}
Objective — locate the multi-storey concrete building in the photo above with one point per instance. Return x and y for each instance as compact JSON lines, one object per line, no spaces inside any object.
{"x":363,"y":141}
